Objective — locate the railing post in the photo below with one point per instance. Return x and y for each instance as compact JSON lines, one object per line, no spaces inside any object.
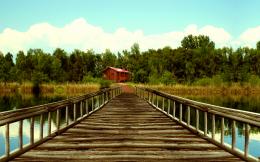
{"x":163,"y":103}
{"x":205,"y":123}
{"x":58,"y":119}
{"x":157,"y":101}
{"x":81,"y":108}
{"x":103,"y":99}
{"x":174,"y":109}
{"x":180,"y":117}
{"x":233,"y":134}
{"x":169,"y":106}
{"x":92,"y":103}
{"x":74,"y":112}
{"x":247,"y":133}
{"x":197,"y":119}
{"x":222,"y":130}
{"x":67,"y":115}
{"x":148,"y":94}
{"x":7,"y":140}
{"x":86,"y":104}
{"x":213,"y":126}
{"x":21,"y":134}
{"x":188,"y":115}
{"x":152,"y":99}
{"x":98,"y":103}
{"x":49,"y":123}
{"x":32,"y":130}
{"x":41,"y":126}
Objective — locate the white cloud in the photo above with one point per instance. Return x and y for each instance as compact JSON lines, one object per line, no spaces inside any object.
{"x":82,"y":35}
{"x":250,"y":37}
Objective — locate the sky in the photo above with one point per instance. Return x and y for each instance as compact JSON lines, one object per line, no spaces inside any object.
{"x":117,"y":24}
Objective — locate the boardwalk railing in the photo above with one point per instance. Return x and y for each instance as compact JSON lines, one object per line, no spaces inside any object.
{"x":180,"y":109}
{"x":71,"y":110}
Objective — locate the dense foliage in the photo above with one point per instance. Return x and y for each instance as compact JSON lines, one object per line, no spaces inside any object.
{"x":197,"y":58}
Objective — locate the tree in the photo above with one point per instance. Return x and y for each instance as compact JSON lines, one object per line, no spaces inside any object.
{"x":258,"y":45}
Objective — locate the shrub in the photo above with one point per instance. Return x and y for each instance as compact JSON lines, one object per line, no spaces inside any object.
{"x":104,"y":83}
{"x":254,"y":80}
{"x":214,"y":81}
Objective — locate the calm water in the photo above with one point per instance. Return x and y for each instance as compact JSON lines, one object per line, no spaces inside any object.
{"x":243,"y":103}
{"x":247,"y":103}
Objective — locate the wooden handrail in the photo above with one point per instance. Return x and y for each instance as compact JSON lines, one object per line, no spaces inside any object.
{"x":239,"y":115}
{"x":97,"y":99}
{"x":175,"y":102}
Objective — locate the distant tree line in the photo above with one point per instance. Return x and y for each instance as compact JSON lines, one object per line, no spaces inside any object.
{"x":196,"y":58}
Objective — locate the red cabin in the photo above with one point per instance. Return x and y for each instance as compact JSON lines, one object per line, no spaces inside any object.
{"x":116,"y":74}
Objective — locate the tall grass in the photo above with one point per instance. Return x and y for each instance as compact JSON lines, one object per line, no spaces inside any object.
{"x":50,"y":88}
{"x":225,"y":89}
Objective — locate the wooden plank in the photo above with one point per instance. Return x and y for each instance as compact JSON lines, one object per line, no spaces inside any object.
{"x":127,"y":129}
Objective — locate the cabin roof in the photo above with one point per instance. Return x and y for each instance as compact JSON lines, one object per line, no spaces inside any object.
{"x":117,"y":69}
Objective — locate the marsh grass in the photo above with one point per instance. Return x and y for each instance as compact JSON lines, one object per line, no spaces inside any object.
{"x":49,"y":88}
{"x":225,"y":89}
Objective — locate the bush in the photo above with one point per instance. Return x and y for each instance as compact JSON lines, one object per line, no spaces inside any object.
{"x":214,"y":81}
{"x":104,"y":83}
{"x":90,"y":79}
{"x":167,"y":78}
{"x":254,"y":80}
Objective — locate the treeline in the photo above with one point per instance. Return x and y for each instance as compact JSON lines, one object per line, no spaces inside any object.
{"x":197,"y":58}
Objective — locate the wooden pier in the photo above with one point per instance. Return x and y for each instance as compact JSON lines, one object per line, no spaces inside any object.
{"x":123,"y":127}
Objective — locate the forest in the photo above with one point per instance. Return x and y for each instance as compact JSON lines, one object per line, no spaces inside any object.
{"x":196,"y":61}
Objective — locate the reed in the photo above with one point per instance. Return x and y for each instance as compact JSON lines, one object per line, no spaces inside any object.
{"x":232,"y":89}
{"x":49,"y":88}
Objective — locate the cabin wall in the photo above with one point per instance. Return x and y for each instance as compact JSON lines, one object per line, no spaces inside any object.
{"x":111,"y":74}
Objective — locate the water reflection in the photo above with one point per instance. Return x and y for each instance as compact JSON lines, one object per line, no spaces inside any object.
{"x":247,"y":103}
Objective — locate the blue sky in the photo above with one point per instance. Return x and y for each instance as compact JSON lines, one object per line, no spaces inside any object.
{"x":149,"y":16}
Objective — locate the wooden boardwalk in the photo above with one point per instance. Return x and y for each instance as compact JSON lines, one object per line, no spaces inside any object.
{"x":127,"y":129}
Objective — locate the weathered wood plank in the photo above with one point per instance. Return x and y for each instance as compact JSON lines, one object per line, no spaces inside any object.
{"x":127,"y":129}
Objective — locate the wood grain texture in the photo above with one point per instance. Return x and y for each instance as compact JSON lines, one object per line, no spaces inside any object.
{"x":127,"y":129}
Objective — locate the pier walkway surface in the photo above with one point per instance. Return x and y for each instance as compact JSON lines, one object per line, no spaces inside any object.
{"x":127,"y":129}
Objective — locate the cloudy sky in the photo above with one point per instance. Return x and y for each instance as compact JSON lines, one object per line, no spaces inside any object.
{"x":117,"y":24}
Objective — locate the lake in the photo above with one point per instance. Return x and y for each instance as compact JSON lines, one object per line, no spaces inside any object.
{"x":248,"y":103}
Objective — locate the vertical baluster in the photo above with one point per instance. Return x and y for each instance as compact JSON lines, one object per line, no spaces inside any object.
{"x":21,"y":134}
{"x":98,"y":103}
{"x":58,"y":119}
{"x":188,"y":115}
{"x":86,"y":104}
{"x":163,"y":103}
{"x":213,"y":126}
{"x":169,"y":106}
{"x":32,"y":130}
{"x":197,"y":119}
{"x":81,"y":108}
{"x":74,"y":112}
{"x":222,"y":130}
{"x":205,"y":123}
{"x":148,"y":93}
{"x":49,"y":123}
{"x":67,"y":115}
{"x":103,"y":99}
{"x":174,"y":109}
{"x":152,"y":99}
{"x":7,"y":140}
{"x":157,"y":101}
{"x":180,"y":117}
{"x":92,"y":103}
{"x":233,"y":134}
{"x":247,"y":134}
{"x":41,"y":126}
